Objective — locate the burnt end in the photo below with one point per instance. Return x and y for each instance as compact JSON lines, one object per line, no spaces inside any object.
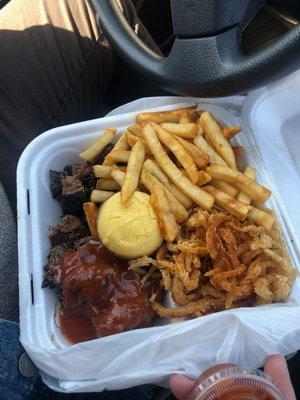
{"x":56,"y":183}
{"x":85,"y":173}
{"x":80,"y":171}
{"x":107,"y":149}
{"x":52,"y":277}
{"x":68,"y":170}
{"x":52,"y":269}
{"x":83,"y":241}
{"x":49,"y":280}
{"x":72,"y":186}
{"x":67,"y":232}
{"x":56,"y":253}
{"x":73,"y":196}
{"x":89,"y":183}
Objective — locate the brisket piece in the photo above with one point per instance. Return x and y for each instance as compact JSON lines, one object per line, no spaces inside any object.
{"x":68,"y":170}
{"x":68,"y":231}
{"x":56,"y":184}
{"x":63,"y":237}
{"x":52,"y":269}
{"x":73,"y":195}
{"x":85,"y":174}
{"x":72,"y":186}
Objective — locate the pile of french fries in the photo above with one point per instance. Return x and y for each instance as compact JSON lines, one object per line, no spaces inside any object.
{"x":182,"y":158}
{"x":220,"y":246}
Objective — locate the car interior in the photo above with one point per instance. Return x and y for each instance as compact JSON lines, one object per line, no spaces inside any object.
{"x":266,"y":23}
{"x":271,"y":21}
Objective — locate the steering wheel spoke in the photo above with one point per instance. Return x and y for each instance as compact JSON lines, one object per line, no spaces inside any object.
{"x":214,"y":56}
{"x":198,"y":18}
{"x":206,"y":58}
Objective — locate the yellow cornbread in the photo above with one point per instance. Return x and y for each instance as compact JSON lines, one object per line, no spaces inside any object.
{"x":130,"y":231}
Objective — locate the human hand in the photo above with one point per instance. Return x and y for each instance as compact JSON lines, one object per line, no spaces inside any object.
{"x":275,"y":367}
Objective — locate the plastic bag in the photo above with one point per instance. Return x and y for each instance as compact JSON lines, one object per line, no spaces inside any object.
{"x":242,"y":336}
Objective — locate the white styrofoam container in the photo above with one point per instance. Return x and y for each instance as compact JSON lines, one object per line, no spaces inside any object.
{"x":271,"y":139}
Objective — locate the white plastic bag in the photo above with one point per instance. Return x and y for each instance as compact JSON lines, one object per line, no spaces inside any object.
{"x":243,"y":336}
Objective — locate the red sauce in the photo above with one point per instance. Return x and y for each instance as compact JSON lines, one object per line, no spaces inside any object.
{"x":76,"y":328}
{"x":100,"y":296}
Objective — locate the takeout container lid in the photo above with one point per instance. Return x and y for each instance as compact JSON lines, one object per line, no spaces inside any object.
{"x":271,"y":139}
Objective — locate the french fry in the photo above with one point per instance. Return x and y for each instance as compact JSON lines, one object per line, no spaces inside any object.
{"x":230,"y":131}
{"x":95,"y":149}
{"x":120,"y":145}
{"x":136,"y":129}
{"x":214,"y":157}
{"x":116,"y":156}
{"x":200,"y":127}
{"x":102,"y":171}
{"x":199,"y":196}
{"x":167,"y":223}
{"x":118,"y":176}
{"x":107,"y":184}
{"x":203,"y":178}
{"x":200,"y":158}
{"x":261,"y":218}
{"x":236,"y":208}
{"x":178,"y":150}
{"x":215,"y":135}
{"x":163,"y":116}
{"x":155,"y":170}
{"x":150,"y":182}
{"x":200,"y":130}
{"x":255,"y":191}
{"x":132,"y":139}
{"x":134,"y":167}
{"x":186,"y":131}
{"x":119,"y":167}
{"x":225,"y":187}
{"x":185,"y":117}
{"x":99,"y":196}
{"x":243,"y":197}
{"x":91,"y":213}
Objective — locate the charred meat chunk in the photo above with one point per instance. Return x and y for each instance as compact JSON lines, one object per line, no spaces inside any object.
{"x":82,"y":241}
{"x":80,"y":171}
{"x":68,"y":170}
{"x":56,"y":183}
{"x":73,"y":195}
{"x":56,"y":253}
{"x":85,"y":173}
{"x":72,"y":186}
{"x":52,"y":276}
{"x":68,"y":231}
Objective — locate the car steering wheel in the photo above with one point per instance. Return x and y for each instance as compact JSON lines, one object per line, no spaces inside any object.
{"x":206,"y":58}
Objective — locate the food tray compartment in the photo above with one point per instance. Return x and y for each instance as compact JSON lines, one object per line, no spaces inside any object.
{"x":37,"y":210}
{"x":60,"y":147}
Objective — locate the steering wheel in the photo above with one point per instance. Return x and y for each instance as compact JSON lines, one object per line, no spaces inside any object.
{"x":206,"y":58}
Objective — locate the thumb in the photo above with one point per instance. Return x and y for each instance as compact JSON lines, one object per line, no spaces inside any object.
{"x":181,"y":386}
{"x":276,"y":368}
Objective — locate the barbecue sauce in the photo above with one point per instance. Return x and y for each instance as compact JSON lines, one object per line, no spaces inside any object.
{"x":100,"y":296}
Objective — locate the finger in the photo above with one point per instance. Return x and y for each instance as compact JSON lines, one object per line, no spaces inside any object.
{"x":276,"y":368}
{"x":181,"y":386}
